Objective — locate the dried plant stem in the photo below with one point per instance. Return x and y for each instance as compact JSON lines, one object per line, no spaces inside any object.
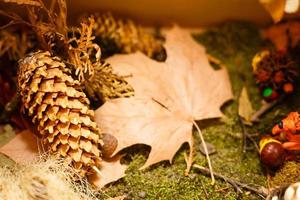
{"x":206,"y":153}
{"x":263,"y":109}
{"x":245,"y":133}
{"x":246,"y":136}
{"x":97,"y":171}
{"x":236,"y":184}
{"x":204,"y":189}
{"x":189,"y":160}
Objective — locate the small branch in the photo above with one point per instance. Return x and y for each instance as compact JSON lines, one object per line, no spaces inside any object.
{"x":204,"y":189}
{"x":11,"y":23}
{"x":206,"y":153}
{"x":278,"y":191}
{"x":246,"y":136}
{"x":236,"y":184}
{"x":254,"y":142}
{"x":245,"y":133}
{"x":263,"y":109}
{"x":16,"y":19}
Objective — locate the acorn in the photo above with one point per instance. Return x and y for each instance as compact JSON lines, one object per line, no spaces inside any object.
{"x":272,"y":153}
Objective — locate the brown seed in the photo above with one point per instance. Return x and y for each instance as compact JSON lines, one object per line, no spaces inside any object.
{"x":109,"y":146}
{"x":273,"y":155}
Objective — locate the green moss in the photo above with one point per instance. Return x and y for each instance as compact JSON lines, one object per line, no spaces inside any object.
{"x":234,"y":44}
{"x":288,"y":174}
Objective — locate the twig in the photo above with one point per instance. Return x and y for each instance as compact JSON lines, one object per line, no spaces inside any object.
{"x":246,"y":136}
{"x":253,"y":141}
{"x":204,"y":189}
{"x":206,"y":153}
{"x":16,"y":18}
{"x":263,"y":109}
{"x":235,"y":184}
{"x":245,"y":133}
{"x":11,"y":23}
{"x":278,"y":191}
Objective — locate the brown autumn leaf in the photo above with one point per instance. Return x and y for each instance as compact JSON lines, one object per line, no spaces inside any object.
{"x":23,"y":148}
{"x":245,"y":107}
{"x":275,"y":8}
{"x":169,"y":97}
{"x":112,"y":170}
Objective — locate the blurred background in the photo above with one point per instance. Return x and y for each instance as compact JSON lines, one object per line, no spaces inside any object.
{"x":183,"y":12}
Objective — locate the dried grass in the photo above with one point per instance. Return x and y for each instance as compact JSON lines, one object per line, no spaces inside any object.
{"x":45,"y":179}
{"x":25,"y":2}
{"x":16,"y":45}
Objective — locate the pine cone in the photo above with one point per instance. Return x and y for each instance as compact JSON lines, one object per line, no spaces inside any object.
{"x":59,"y":110}
{"x":126,"y":37}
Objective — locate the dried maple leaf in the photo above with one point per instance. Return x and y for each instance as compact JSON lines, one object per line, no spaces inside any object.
{"x":169,"y":97}
{"x":111,"y":171}
{"x":23,"y":148}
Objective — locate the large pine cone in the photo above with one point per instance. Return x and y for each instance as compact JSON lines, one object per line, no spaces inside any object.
{"x":59,"y":110}
{"x":119,"y":35}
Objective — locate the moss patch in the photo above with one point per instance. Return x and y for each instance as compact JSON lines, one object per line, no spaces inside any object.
{"x":288,"y":174}
{"x":234,"y":44}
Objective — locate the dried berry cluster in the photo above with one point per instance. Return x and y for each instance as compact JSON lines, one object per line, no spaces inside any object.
{"x":275,"y":73}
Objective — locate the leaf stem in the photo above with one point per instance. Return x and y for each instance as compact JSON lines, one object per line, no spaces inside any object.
{"x":206,"y":153}
{"x":189,"y":160}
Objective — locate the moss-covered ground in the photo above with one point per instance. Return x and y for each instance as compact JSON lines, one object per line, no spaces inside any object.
{"x":234,"y":44}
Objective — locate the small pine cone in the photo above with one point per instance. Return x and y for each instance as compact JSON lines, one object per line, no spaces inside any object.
{"x":59,"y":110}
{"x":126,"y":36}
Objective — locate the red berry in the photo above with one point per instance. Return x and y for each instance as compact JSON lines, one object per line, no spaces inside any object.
{"x":288,"y":87}
{"x":278,"y":77}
